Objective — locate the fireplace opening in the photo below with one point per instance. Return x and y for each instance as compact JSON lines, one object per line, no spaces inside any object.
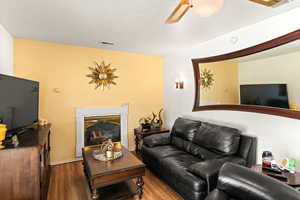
{"x":101,"y":128}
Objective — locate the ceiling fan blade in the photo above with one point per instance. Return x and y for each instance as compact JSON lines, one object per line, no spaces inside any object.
{"x":267,"y":2}
{"x":179,"y":11}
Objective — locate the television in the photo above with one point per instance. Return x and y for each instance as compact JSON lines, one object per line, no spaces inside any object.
{"x":273,"y":95}
{"x":19,"y":102}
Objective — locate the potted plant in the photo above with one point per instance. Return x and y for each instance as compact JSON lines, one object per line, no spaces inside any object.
{"x":145,"y":123}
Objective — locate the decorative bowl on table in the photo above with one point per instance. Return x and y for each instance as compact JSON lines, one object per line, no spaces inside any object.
{"x":99,"y":154}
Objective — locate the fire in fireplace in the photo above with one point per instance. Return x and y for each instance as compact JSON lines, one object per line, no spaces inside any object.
{"x":100,"y":129}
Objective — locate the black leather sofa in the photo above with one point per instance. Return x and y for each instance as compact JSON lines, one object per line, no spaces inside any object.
{"x":239,"y":183}
{"x":189,"y":158}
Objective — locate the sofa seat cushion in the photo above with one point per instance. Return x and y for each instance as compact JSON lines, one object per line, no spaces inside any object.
{"x":160,"y":152}
{"x":175,"y":167}
{"x":219,"y":139}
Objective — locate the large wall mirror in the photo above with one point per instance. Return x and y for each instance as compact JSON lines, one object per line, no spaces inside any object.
{"x":264,"y":79}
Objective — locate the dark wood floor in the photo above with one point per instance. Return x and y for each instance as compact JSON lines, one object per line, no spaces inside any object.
{"x":68,"y":183}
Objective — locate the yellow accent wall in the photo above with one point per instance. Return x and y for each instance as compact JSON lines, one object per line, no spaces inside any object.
{"x":225,"y":89}
{"x":64,"y":67}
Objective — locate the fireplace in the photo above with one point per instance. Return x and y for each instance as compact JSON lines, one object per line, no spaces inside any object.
{"x":101,"y":128}
{"x":95,"y":125}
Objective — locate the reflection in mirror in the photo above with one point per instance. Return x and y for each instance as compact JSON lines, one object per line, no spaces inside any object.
{"x":269,"y":78}
{"x":224,"y":88}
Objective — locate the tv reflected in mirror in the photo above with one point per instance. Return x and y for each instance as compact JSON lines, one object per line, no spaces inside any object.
{"x":273,"y":95}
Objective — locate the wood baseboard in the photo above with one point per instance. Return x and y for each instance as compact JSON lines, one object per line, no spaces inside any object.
{"x":65,"y":161}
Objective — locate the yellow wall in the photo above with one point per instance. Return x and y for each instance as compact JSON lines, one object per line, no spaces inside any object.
{"x":225,"y":89}
{"x":140,"y":84}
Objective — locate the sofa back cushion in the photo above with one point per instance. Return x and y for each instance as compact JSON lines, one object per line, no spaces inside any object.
{"x":185,"y":128}
{"x":193,"y":148}
{"x":220,"y":139}
{"x":182,"y":135}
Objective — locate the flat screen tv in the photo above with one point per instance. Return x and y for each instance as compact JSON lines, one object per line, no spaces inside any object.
{"x":273,"y":95}
{"x":19,"y":102}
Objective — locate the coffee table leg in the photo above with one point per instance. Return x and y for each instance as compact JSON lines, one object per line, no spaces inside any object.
{"x":139,"y":185}
{"x":95,"y":194}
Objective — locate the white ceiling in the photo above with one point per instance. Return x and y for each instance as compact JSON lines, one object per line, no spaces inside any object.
{"x":133,"y":25}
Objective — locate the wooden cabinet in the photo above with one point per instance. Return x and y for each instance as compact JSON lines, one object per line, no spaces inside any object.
{"x":25,"y":169}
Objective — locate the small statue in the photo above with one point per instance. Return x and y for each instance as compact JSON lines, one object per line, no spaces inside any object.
{"x":157,"y":122}
{"x":108,"y":149}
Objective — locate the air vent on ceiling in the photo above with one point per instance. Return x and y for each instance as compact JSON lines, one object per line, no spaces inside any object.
{"x":106,"y":43}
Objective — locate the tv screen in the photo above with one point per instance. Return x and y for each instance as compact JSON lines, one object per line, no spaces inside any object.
{"x":19,"y":99}
{"x":274,"y":95}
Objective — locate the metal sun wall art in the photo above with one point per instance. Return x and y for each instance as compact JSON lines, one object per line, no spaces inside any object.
{"x":102,"y":75}
{"x":206,"y":78}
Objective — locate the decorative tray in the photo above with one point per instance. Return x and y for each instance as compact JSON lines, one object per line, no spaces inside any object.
{"x":99,"y":155}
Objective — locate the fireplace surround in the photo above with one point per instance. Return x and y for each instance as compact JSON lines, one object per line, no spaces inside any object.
{"x":90,"y":113}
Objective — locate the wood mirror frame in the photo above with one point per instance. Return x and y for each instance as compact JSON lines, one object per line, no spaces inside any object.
{"x":290,"y":37}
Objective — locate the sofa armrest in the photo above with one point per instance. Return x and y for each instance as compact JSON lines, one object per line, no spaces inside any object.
{"x":244,"y":183}
{"x":209,"y":169}
{"x":157,"y":140}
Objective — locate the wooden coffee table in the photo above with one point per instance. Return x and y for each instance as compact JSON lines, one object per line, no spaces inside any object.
{"x":113,"y":179}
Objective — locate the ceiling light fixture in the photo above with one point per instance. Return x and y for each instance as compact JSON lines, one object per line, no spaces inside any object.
{"x":206,"y":8}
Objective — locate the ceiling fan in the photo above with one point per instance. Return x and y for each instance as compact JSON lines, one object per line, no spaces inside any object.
{"x":206,"y":8}
{"x":200,"y":7}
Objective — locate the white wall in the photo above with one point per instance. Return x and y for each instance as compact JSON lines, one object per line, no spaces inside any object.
{"x":278,"y":134}
{"x":6,"y":52}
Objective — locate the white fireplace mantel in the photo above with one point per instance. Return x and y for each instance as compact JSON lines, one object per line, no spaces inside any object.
{"x":81,"y":113}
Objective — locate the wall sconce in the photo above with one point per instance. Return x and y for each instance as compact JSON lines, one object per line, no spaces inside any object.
{"x":179,"y":84}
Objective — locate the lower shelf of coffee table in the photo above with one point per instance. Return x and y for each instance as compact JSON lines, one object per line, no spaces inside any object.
{"x":120,"y":191}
